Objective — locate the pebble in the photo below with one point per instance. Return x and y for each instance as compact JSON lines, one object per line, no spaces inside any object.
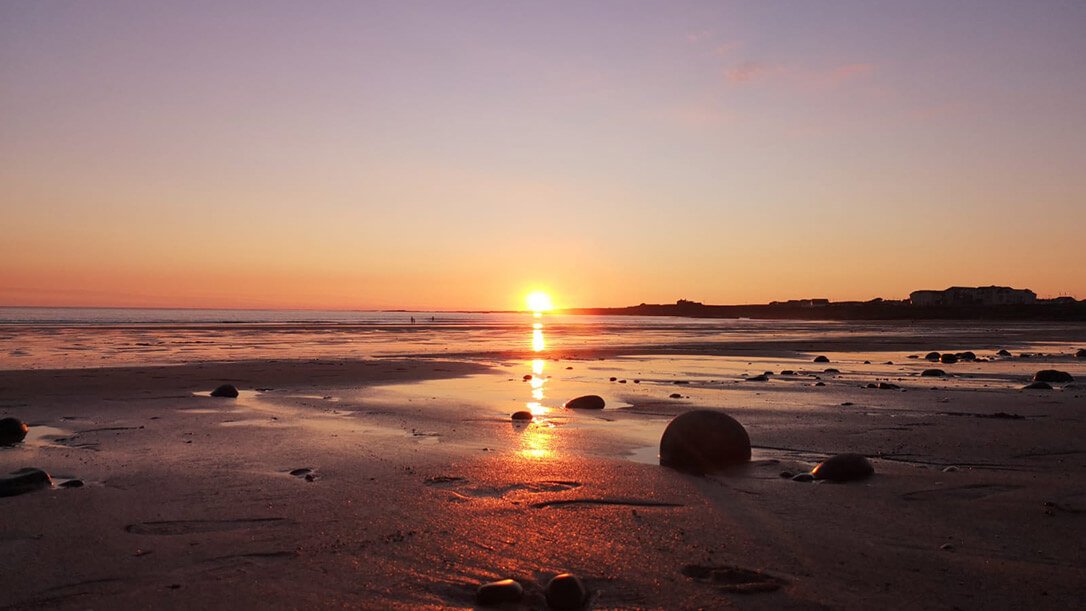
{"x":932,"y":356}
{"x":566,"y":592}
{"x":758,"y":378}
{"x":844,"y":468}
{"x":933,"y":373}
{"x":675,"y":395}
{"x":521,"y":416}
{"x":12,"y":431}
{"x":499,"y":592}
{"x":1003,"y":353}
{"x":948,"y":359}
{"x":704,"y":441}
{"x":950,"y":469}
{"x":226,"y":390}
{"x":72,"y":483}
{"x":585,"y":402}
{"x":888,"y":386}
{"x":821,"y":359}
{"x":24,"y":480}
{"x":803,"y":477}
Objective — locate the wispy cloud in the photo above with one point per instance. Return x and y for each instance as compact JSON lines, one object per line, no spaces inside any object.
{"x":750,"y":71}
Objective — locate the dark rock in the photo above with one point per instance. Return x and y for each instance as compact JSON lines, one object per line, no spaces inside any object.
{"x":933,"y":373}
{"x":585,"y":402}
{"x":872,"y":385}
{"x":831,"y":370}
{"x":1081,"y":354}
{"x":528,"y":376}
{"x":788,"y":372}
{"x":1038,"y":386}
{"x":844,"y":468}
{"x":613,"y":379}
{"x":226,"y":390}
{"x":522,"y":415}
{"x":12,"y":431}
{"x":72,"y":483}
{"x":758,"y":378}
{"x":821,"y":359}
{"x":847,"y":404}
{"x":301,"y":472}
{"x":498,"y":593}
{"x":675,"y":395}
{"x":23,"y":481}
{"x":867,"y":362}
{"x":637,"y":381}
{"x":768,"y":373}
{"x":566,"y":592}
{"x":932,"y":356}
{"x":803,"y":477}
{"x":820,"y":384}
{"x":966,"y":356}
{"x":1003,"y":353}
{"x":680,"y":382}
{"x":888,"y":386}
{"x":704,"y":441}
{"x":948,"y":359}
{"x":913,"y":356}
{"x":1051,"y":375}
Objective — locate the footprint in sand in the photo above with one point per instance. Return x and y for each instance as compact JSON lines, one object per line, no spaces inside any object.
{"x":971,"y":492}
{"x":734,"y":580}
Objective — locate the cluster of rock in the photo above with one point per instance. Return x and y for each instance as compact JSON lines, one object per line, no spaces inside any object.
{"x":1044,"y":379}
{"x":949,"y":358}
{"x":564,"y":592}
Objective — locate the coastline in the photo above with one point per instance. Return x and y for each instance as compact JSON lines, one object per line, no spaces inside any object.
{"x":423,"y":489}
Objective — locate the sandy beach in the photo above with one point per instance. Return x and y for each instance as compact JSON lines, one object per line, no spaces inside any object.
{"x":401,"y":482}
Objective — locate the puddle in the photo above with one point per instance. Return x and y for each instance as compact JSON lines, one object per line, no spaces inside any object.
{"x":41,"y":436}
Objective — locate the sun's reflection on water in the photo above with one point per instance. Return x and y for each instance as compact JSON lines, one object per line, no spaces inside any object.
{"x":537,"y":438}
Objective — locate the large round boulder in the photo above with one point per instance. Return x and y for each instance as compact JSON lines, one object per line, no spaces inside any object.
{"x":704,"y":441}
{"x":821,"y":359}
{"x":844,"y":468}
{"x":500,"y":592}
{"x":1081,"y":353}
{"x":932,"y":356}
{"x":1053,"y":376}
{"x":948,"y":359}
{"x":586,"y":402}
{"x":933,"y":373}
{"x":12,"y":431}
{"x":226,"y":390}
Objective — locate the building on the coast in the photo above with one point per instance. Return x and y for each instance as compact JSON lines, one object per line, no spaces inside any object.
{"x":973,"y":296}
{"x":803,"y":303}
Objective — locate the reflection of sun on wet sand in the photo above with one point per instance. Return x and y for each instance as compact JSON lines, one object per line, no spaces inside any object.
{"x":402,"y":483}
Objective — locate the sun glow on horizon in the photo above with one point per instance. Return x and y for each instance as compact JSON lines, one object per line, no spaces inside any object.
{"x":539,"y":302}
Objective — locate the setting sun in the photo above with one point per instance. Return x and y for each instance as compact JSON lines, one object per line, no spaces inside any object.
{"x":539,"y":301}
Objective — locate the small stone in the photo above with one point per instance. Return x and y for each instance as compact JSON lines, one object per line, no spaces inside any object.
{"x":309,"y":477}
{"x":933,"y":373}
{"x":821,"y":359}
{"x":888,"y":386}
{"x":1052,"y":375}
{"x":788,"y":372}
{"x":831,"y":370}
{"x":24,"y":480}
{"x":585,"y":402}
{"x":72,"y":483}
{"x":867,"y":362}
{"x":803,"y":477}
{"x":950,"y":469}
{"x":1038,"y":386}
{"x":521,"y":416}
{"x":846,"y":404}
{"x":12,"y":431}
{"x":968,"y":355}
{"x":1003,"y":353}
{"x":932,"y":356}
{"x":948,"y":359}
{"x":613,"y":379}
{"x":844,"y":468}
{"x":301,"y":472}
{"x":622,"y":381}
{"x":566,"y":592}
{"x":637,"y":381}
{"x":820,"y":384}
{"x":675,"y":395}
{"x":946,"y":547}
{"x":226,"y":390}
{"x":758,"y":378}
{"x":1081,"y":354}
{"x":527,"y":377}
{"x":704,"y":441}
{"x":498,"y":593}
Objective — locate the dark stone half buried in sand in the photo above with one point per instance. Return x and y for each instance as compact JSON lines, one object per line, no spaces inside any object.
{"x":1003,"y":353}
{"x":758,"y":378}
{"x":585,"y":402}
{"x":821,"y":359}
{"x":888,"y":386}
{"x":226,"y":390}
{"x":1081,"y":354}
{"x":498,"y":593}
{"x":844,"y":468}
{"x":1037,"y":386}
{"x":24,"y":480}
{"x":932,"y":356}
{"x":12,"y":431}
{"x":704,"y":441}
{"x":968,"y":355}
{"x":566,"y":592}
{"x":933,"y":373}
{"x":522,"y":416}
{"x":1052,"y":375}
{"x":948,"y":359}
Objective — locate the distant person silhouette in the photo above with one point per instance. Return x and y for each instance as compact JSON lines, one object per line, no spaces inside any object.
{"x":412,"y":320}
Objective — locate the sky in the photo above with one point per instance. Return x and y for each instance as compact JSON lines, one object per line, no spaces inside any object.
{"x":457,"y":155}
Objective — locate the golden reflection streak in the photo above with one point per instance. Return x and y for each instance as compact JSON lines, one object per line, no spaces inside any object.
{"x":537,"y":439}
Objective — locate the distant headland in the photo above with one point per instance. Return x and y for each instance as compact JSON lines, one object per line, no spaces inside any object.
{"x":954,"y":303}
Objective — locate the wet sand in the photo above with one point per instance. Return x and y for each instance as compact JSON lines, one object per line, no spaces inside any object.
{"x":422,"y":488}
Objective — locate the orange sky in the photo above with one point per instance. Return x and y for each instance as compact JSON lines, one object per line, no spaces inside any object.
{"x":456,"y":158}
